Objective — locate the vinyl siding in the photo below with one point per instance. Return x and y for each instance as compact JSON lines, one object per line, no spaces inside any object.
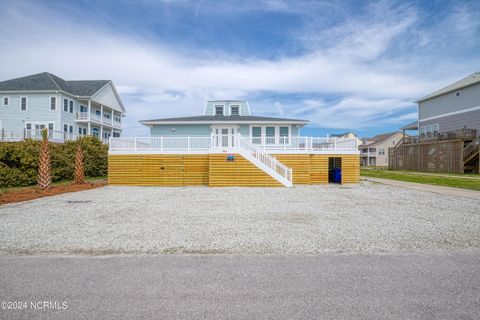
{"x":38,"y":110}
{"x":210,"y":108}
{"x":457,"y":121}
{"x":180,"y":130}
{"x":107,"y":97}
{"x":469,"y":98}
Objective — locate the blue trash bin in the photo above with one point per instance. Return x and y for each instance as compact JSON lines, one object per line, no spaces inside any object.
{"x":337,"y":175}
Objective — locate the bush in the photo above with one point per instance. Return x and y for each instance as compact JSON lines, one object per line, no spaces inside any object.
{"x":19,"y":160}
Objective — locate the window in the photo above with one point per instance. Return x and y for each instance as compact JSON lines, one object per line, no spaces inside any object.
{"x":219,"y":110}
{"x":95,"y":132}
{"x":234,"y":111}
{"x":50,"y":127}
{"x":284,"y":135}
{"x":80,"y":131}
{"x":422,"y":130}
{"x":117,"y":119}
{"x":29,"y":126}
{"x":53,"y":103}
{"x":83,"y":108}
{"x":70,"y":129}
{"x":84,"y":131}
{"x":71,"y":106}
{"x":429,"y":129}
{"x":6,"y":101}
{"x":257,"y":135}
{"x":65,"y":105}
{"x":381,"y":152}
{"x":270,"y":135}
{"x":457,"y":93}
{"x":98,"y":113}
{"x":116,"y":134}
{"x":65,"y":128}
{"x":106,"y":115}
{"x":23,"y":103}
{"x":436,"y":128}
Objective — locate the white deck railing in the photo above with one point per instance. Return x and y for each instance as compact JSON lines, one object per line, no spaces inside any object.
{"x":36,"y":134}
{"x":203,"y":143}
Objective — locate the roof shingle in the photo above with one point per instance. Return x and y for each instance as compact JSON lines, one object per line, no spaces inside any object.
{"x":47,"y":81}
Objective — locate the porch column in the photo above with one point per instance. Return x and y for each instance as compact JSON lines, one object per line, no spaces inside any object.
{"x":101,"y":113}
{"x":101,"y":132}
{"x":89,"y":114}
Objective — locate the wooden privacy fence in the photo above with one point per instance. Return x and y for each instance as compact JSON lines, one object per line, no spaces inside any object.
{"x":429,"y":156}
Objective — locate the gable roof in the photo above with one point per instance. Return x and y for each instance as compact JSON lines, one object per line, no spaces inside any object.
{"x":337,"y":135}
{"x":379,"y":138}
{"x":220,"y":118}
{"x":49,"y":82}
{"x":465,"y":82}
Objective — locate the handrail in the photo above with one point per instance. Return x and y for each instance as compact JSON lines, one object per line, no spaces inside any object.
{"x":266,"y":159}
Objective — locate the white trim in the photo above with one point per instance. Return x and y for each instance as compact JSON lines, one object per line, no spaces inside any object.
{"x":26,"y":103}
{"x":50,"y":103}
{"x":224,"y":122}
{"x":232,"y":150}
{"x":450,"y":114}
{"x":215,"y":109}
{"x":3,"y":101}
{"x":205,"y":108}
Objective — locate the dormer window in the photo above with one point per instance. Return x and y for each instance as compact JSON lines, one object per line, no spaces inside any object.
{"x":219,"y":110}
{"x":234,"y":111}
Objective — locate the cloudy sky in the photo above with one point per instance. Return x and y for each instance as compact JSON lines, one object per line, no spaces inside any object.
{"x":344,"y":65}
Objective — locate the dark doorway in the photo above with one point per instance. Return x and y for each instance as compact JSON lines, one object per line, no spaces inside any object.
{"x":334,"y":170}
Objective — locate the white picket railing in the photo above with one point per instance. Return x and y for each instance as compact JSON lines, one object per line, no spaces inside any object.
{"x":36,"y":134}
{"x":177,"y":143}
{"x":305,"y":143}
{"x":268,"y":163}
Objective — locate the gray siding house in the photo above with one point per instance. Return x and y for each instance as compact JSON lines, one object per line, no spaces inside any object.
{"x":452,"y":108}
{"x":67,"y":108}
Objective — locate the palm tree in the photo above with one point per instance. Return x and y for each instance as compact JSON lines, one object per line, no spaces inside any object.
{"x":79,"y":166}
{"x":44,"y":178}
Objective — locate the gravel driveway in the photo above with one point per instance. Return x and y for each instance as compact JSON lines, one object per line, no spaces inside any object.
{"x":363,"y":218}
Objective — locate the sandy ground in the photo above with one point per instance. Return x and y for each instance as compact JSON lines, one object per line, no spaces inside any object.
{"x":363,"y":218}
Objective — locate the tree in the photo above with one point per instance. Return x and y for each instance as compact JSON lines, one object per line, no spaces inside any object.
{"x":79,"y":166}
{"x":44,"y":177}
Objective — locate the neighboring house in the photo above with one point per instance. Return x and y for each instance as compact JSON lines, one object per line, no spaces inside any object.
{"x":454,"y":107}
{"x":67,"y":108}
{"x":348,"y":135}
{"x":228,"y":146}
{"x":374,"y":151}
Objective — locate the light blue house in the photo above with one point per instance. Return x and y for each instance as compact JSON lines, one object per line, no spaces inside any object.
{"x":227,"y":118}
{"x":67,"y":108}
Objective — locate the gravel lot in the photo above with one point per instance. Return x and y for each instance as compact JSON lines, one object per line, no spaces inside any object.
{"x":363,"y":218}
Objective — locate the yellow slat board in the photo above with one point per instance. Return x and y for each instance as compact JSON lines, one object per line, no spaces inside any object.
{"x":237,"y":173}
{"x":300,"y":164}
{"x":158,"y":170}
{"x":350,"y":168}
{"x":318,"y":169}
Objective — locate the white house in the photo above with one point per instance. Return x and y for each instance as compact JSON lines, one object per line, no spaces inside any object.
{"x":67,"y":108}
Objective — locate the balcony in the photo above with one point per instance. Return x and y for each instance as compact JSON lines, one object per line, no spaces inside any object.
{"x":84,"y":116}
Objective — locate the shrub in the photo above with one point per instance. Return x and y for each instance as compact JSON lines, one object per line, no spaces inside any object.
{"x":19,"y":160}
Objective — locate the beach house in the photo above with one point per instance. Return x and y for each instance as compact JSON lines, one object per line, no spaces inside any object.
{"x":228,"y":146}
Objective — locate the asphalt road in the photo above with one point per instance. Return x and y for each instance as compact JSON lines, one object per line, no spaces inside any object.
{"x":416,"y":286}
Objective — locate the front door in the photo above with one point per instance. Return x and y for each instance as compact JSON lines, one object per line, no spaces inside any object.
{"x":224,"y":137}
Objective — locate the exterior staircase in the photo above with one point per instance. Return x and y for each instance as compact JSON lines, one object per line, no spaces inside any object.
{"x":471,"y":151}
{"x":254,"y":154}
{"x":264,"y":161}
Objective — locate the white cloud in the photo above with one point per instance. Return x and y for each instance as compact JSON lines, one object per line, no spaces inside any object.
{"x":157,"y":81}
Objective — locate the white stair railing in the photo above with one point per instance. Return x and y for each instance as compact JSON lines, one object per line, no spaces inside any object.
{"x":264,"y":161}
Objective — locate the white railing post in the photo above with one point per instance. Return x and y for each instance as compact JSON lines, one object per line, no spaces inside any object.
{"x":135,"y":144}
{"x":188,"y":143}
{"x":335,"y":144}
{"x":161,"y":143}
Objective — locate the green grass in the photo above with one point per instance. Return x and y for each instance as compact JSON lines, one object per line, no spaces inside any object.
{"x":465,"y":181}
